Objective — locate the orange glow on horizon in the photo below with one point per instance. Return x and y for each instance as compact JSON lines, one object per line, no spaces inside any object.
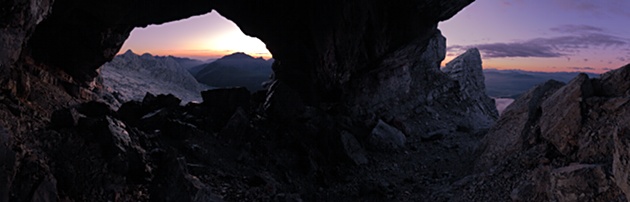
{"x":537,"y":65}
{"x":196,"y":54}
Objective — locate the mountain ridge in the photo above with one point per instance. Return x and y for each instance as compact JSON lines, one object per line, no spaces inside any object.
{"x":131,"y":76}
{"x":236,"y":69}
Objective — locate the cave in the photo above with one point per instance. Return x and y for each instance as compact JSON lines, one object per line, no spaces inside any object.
{"x":358,"y":109}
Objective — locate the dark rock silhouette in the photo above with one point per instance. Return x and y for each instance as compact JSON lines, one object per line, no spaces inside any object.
{"x":343,"y":71}
{"x":237,"y":69}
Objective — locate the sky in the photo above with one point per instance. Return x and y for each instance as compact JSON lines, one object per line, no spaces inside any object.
{"x":203,"y":37}
{"x":543,"y":35}
{"x":534,"y":35}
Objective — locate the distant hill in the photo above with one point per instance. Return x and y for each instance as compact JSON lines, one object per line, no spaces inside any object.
{"x":237,"y":69}
{"x":186,"y":63}
{"x":512,"y":83}
{"x":131,"y":76}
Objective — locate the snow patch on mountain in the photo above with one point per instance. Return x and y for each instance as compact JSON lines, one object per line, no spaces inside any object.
{"x":130,"y":76}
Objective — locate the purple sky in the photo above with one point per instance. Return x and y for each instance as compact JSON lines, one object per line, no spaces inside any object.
{"x":545,"y":35}
{"x":540,"y":35}
{"x":200,"y":37}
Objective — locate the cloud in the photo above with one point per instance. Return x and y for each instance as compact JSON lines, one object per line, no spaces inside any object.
{"x":582,"y":37}
{"x":579,"y":5}
{"x":500,"y":50}
{"x":581,"y":68}
{"x":576,"y":29}
{"x":597,"y":9}
{"x":511,"y":2}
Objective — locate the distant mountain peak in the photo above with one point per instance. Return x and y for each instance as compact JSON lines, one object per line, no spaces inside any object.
{"x":129,"y":52}
{"x":472,"y":53}
{"x":238,"y":55}
{"x":146,"y":55}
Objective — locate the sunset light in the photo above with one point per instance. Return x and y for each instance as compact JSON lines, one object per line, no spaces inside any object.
{"x":208,"y":36}
{"x":558,"y":36}
{"x":537,"y":35}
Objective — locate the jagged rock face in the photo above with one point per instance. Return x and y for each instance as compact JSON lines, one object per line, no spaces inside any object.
{"x":466,"y":69}
{"x":17,"y":22}
{"x":411,"y":92}
{"x":563,"y":143}
{"x":516,"y":127}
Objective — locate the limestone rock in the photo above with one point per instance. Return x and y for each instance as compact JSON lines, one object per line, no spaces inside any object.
{"x":581,"y":182}
{"x":616,"y":83}
{"x":561,"y":119}
{"x":413,"y":92}
{"x":466,"y":69}
{"x":516,"y":127}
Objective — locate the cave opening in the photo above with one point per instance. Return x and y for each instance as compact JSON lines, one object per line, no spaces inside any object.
{"x":185,"y":57}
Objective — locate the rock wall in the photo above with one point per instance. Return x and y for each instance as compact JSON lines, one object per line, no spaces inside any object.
{"x":318,"y":55}
{"x":411,"y":92}
{"x":467,"y":70}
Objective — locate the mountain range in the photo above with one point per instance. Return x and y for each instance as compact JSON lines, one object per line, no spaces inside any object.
{"x":512,"y":83}
{"x":130,"y":76}
{"x":237,"y":69}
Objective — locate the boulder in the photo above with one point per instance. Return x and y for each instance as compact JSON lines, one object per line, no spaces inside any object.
{"x":238,"y":124}
{"x":224,"y":101}
{"x":386,"y":138}
{"x":562,"y":114}
{"x":131,"y":112}
{"x":62,"y":118}
{"x":516,"y":128}
{"x":582,"y":182}
{"x":94,"y":109}
{"x":353,"y":149}
{"x":151,"y":102}
{"x":174,"y":183}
